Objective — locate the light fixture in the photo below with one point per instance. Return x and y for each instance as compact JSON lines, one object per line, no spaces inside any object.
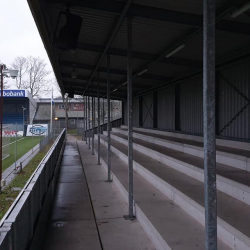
{"x":115,"y":90}
{"x":13,"y":73}
{"x":56,"y":118}
{"x":240,"y":10}
{"x":142,"y":72}
{"x":73,"y":74}
{"x":124,"y":84}
{"x":175,"y":50}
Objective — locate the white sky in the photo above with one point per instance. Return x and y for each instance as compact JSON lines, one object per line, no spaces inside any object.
{"x":18,"y":33}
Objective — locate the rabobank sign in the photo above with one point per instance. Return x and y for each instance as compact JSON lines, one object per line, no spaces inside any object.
{"x":13,"y":93}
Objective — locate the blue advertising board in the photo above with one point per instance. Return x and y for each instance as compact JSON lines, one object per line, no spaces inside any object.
{"x":13,"y":93}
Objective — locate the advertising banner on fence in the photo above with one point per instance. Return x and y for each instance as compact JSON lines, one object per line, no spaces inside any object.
{"x":37,"y":130}
{"x":9,"y":133}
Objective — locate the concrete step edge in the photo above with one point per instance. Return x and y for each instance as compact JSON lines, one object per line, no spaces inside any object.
{"x":199,"y":138}
{"x":234,"y":189}
{"x":147,"y":226}
{"x":226,"y":232}
{"x":233,"y":160}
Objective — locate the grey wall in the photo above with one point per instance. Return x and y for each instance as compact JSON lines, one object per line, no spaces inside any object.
{"x":166,"y":108}
{"x":147,"y":110}
{"x":234,"y":91}
{"x":232,"y":109}
{"x":191,"y":111}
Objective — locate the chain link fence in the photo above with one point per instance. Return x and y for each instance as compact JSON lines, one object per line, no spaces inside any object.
{"x":46,"y":140}
{"x":6,"y":141}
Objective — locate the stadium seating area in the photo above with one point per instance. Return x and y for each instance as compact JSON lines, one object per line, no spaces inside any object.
{"x":12,"y":118}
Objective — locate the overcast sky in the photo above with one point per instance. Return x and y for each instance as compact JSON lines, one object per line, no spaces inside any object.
{"x":19,"y":35}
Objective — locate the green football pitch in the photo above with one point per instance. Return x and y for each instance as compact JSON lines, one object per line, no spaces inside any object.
{"x":23,"y":146}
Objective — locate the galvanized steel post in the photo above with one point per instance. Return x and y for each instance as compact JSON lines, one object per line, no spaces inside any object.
{"x":98,"y":110}
{"x":93,"y":119}
{"x":108,"y":124}
{"x":89,"y":120}
{"x":209,"y":124}
{"x":83,"y":123}
{"x":130,"y":120}
{"x":86,"y":119}
{"x":103,"y":115}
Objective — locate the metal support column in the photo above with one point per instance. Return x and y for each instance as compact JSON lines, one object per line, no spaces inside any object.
{"x":98,"y":110}
{"x":83,"y":123}
{"x":86,"y":118}
{"x":108,"y":124}
{"x":209,"y":124}
{"x":130,"y":215}
{"x":103,"y":115}
{"x":93,"y":119}
{"x":89,"y":120}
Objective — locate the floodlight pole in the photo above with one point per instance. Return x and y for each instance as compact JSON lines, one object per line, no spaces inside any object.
{"x":1,"y":137}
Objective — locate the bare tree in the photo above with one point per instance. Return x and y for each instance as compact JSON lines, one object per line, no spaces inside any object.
{"x":32,"y":75}
{"x":20,"y":63}
{"x":5,"y":83}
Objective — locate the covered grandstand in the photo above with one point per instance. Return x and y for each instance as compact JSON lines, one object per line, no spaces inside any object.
{"x":18,"y":108}
{"x":181,"y":160}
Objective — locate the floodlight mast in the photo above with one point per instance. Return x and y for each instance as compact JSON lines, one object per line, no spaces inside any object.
{"x":5,"y":72}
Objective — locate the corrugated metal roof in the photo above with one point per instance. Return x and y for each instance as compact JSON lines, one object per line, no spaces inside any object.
{"x":158,"y":27}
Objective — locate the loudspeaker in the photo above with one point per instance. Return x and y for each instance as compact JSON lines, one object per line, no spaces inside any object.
{"x":71,"y":93}
{"x":69,"y":33}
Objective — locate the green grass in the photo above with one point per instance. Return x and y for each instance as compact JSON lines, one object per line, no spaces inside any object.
{"x":8,"y":195}
{"x":72,"y":131}
{"x":23,"y":146}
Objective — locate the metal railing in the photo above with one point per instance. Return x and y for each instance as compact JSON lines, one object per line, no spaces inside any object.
{"x":24,"y":224}
{"x":103,"y":127}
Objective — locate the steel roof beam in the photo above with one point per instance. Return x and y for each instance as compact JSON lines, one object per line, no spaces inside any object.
{"x":113,"y":83}
{"x":113,"y":71}
{"x":78,"y":91}
{"x":112,"y":36}
{"x":140,"y":55}
{"x":157,"y":14}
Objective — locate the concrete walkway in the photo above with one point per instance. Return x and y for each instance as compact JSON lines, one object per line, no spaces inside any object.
{"x":9,"y":174}
{"x":87,"y":211}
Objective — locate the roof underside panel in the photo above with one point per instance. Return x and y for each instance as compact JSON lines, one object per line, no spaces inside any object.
{"x":159,"y":28}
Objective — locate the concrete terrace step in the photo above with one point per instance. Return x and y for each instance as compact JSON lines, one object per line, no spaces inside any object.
{"x":167,"y":225}
{"x":234,"y":182}
{"x":234,"y":157}
{"x":233,"y":221}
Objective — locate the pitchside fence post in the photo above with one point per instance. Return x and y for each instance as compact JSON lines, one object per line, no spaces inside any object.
{"x":209,"y":124}
{"x":108,"y":124}
{"x":16,"y":146}
{"x":130,"y":215}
